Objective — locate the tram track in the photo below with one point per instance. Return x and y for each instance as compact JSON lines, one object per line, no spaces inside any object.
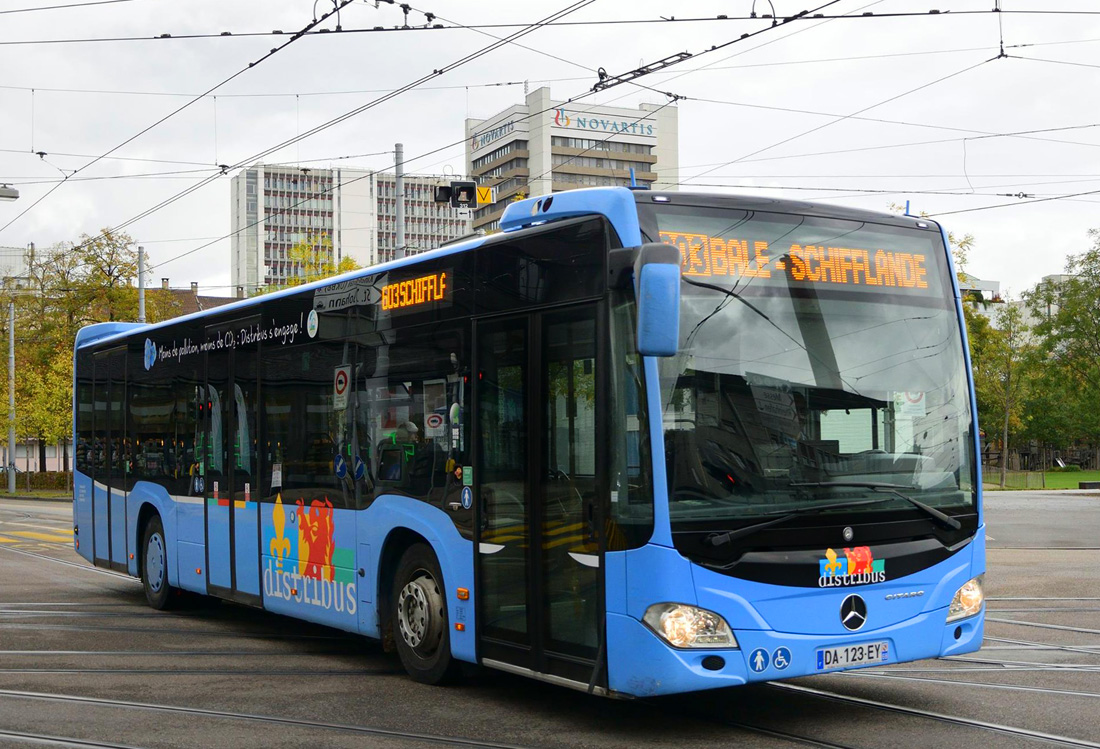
{"x":939,"y":717}
{"x":25,"y":737}
{"x":980,"y":685}
{"x":373,"y":731}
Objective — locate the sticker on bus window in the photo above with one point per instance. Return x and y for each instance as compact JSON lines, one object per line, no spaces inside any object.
{"x":276,"y":475}
{"x":910,"y":403}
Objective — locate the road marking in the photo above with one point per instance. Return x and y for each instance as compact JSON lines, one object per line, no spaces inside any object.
{"x":989,"y":537}
{"x":40,"y":536}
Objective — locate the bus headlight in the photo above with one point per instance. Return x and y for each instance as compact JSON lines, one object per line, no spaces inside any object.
{"x":967,"y":601}
{"x":685,"y":626}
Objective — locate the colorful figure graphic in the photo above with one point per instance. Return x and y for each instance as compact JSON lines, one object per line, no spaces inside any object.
{"x":859,"y":560}
{"x":858,"y":566}
{"x":280,"y":545}
{"x":315,"y":544}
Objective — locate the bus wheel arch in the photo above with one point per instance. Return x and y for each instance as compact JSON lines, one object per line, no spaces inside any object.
{"x":159,"y":593}
{"x":145,"y":514}
{"x":394,"y":547}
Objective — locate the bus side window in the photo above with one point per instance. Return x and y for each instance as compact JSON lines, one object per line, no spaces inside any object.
{"x":412,"y":412}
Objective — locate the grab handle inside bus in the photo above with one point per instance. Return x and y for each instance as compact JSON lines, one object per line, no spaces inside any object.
{"x":657,"y":288}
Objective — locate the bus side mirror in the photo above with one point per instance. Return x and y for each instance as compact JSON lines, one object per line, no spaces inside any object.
{"x":657,"y":289}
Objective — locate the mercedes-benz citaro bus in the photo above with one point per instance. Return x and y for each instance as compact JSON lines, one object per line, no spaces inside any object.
{"x":635,"y":443}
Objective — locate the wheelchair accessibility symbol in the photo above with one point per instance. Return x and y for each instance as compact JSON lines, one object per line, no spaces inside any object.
{"x":782,"y":658}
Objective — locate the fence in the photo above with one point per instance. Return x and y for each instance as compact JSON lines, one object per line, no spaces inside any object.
{"x":991,"y":476}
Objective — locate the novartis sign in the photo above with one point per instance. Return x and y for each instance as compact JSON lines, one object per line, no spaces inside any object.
{"x":484,"y":138}
{"x":603,"y":124}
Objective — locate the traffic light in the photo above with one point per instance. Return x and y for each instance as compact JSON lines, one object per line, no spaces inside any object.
{"x":442,"y":194}
{"x":464,"y":195}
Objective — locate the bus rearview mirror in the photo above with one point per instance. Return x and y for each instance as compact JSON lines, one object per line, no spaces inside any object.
{"x":657,"y":289}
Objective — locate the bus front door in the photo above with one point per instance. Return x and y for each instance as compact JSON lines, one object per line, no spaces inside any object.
{"x":231,"y":467}
{"x":538,"y":492}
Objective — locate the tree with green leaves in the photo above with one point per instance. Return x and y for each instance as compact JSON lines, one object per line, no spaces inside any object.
{"x":314,"y":258}
{"x":67,"y":287}
{"x":1068,"y":310}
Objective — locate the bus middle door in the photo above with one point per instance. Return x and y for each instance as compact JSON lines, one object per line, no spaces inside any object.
{"x":538,"y":492}
{"x":232,"y":465}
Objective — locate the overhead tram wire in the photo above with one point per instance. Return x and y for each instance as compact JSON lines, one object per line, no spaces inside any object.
{"x":66,"y":5}
{"x":839,"y":119}
{"x":779,"y":20}
{"x":337,"y":5}
{"x":497,"y":84}
{"x":530,"y":115}
{"x":1016,"y":204}
{"x":358,"y":110}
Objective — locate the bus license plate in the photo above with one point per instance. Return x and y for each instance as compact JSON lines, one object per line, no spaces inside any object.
{"x":853,"y":655}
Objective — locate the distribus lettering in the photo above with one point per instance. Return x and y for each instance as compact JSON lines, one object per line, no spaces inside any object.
{"x":706,"y":256}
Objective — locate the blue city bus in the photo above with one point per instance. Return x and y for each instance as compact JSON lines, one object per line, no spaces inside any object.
{"x":635,"y":443}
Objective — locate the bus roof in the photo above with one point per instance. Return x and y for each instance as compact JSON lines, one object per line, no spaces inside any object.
{"x":619,"y":205}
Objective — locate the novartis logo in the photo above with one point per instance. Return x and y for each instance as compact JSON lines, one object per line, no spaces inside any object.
{"x":561,"y":118}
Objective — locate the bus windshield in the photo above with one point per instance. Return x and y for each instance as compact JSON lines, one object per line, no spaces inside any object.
{"x":817,"y":357}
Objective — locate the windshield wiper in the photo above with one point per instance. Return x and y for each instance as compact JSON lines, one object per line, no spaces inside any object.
{"x":944,"y":519}
{"x":720,"y":539}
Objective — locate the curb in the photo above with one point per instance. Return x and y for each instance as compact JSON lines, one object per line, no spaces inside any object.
{"x":35,"y":499}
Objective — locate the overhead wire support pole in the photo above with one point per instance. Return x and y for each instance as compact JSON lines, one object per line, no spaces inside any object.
{"x":399,"y":176}
{"x":141,"y":284}
{"x":11,"y":396}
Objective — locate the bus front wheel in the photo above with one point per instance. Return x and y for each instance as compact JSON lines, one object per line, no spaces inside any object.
{"x":419,"y":611}
{"x":154,"y":565}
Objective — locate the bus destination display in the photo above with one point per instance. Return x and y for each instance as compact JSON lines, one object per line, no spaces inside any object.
{"x":416,"y":293}
{"x":705,"y":256}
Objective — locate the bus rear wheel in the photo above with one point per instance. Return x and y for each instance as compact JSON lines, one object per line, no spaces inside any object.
{"x":154,"y":565}
{"x":419,"y":616}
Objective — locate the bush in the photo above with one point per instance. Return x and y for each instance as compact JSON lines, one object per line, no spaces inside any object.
{"x":48,"y":480}
{"x":1071,"y":468}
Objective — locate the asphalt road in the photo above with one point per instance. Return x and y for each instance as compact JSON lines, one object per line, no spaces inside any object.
{"x":84,"y":662}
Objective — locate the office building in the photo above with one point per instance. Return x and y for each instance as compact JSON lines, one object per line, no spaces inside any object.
{"x":544,"y":146}
{"x":345,"y":212}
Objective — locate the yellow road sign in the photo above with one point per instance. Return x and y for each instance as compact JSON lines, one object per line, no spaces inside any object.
{"x":484,"y":195}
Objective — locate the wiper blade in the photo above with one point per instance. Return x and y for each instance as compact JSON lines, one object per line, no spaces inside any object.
{"x":944,"y":519}
{"x":720,"y":539}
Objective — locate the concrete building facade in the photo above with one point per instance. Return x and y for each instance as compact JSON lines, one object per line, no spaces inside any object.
{"x":544,"y":146}
{"x":347,"y":212}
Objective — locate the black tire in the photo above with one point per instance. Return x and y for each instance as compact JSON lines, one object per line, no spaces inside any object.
{"x":154,"y":566}
{"x":419,"y":614}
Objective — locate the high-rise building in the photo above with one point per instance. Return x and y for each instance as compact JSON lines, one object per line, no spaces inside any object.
{"x":544,"y":146}
{"x":342,"y":212}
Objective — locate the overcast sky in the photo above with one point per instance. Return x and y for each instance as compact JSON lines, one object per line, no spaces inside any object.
{"x":909,"y":141}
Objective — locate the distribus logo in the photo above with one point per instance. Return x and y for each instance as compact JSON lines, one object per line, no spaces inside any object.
{"x":857,"y":567}
{"x":150,"y":354}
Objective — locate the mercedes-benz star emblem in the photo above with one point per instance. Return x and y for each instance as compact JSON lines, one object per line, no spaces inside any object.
{"x":848,"y":534}
{"x":853,"y":613}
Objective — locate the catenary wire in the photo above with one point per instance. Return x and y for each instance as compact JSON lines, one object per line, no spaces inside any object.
{"x":780,"y":20}
{"x":449,"y":146}
{"x":337,"y":5}
{"x":839,"y":119}
{"x":59,"y":7}
{"x":485,"y":50}
{"x":386,"y":97}
{"x":491,"y":84}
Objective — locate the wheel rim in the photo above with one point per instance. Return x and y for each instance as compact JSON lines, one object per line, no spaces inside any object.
{"x":154,"y":562}
{"x":419,"y":613}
